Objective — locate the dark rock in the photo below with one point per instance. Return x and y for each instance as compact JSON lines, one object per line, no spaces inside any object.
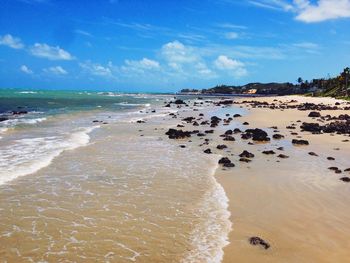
{"x":224,"y":160}
{"x":330,"y":158}
{"x":178,"y":134}
{"x":345,"y":179}
{"x":280,"y":148}
{"x":229,"y":138}
{"x":277,"y":136}
{"x":228,"y":165}
{"x":207,"y":151}
{"x":236,"y":130}
{"x":314,"y":114}
{"x":245,"y":123}
{"x":209,"y":131}
{"x":312,"y":154}
{"x":178,"y":102}
{"x":246,"y":154}
{"x":182,"y":146}
{"x":300,"y":142}
{"x":140,"y":121}
{"x":268,"y":152}
{"x":258,"y":135}
{"x":237,"y":115}
{"x":311,"y":127}
{"x":257,"y":241}
{"x":221,"y":146}
{"x":283,"y":156}
{"x":245,"y":160}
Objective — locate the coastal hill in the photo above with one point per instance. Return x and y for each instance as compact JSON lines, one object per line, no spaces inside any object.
{"x":337,"y":86}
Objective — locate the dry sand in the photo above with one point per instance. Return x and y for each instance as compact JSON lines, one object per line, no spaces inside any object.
{"x":297,"y":205}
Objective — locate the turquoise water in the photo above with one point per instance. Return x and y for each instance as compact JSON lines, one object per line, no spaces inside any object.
{"x":61,"y":101}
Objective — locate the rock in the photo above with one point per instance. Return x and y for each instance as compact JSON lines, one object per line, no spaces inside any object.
{"x":312,"y":154}
{"x":246,"y":154}
{"x":182,"y":146}
{"x":224,"y":160}
{"x":237,"y":115}
{"x":347,"y":170}
{"x":277,"y":136}
{"x":221,"y":146}
{"x":245,"y":123}
{"x":180,"y":126}
{"x":345,"y":179}
{"x":229,"y":165}
{"x":330,"y":158}
{"x":300,"y":142}
{"x":236,"y":130}
{"x":314,"y":114}
{"x":283,"y":156}
{"x":207,"y":151}
{"x":229,"y":138}
{"x":178,"y":134}
{"x":280,"y":148}
{"x":258,"y":135}
{"x":209,"y":131}
{"x":257,"y":241}
{"x":333,"y":168}
{"x":189,"y":119}
{"x":268,"y":152}
{"x":246,"y":160}
{"x":178,"y":102}
{"x":140,"y":121}
{"x":311,"y":127}
{"x":19,"y":112}
{"x":228,"y":132}
{"x":214,"y":121}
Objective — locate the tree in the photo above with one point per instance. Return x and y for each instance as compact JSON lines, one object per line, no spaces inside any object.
{"x":300,"y":80}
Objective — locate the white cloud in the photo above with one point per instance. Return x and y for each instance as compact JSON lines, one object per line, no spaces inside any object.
{"x":49,"y":52}
{"x":98,"y":69}
{"x":12,"y":42}
{"x":25,"y":69}
{"x":323,"y":10}
{"x":57,"y":70}
{"x":144,"y":63}
{"x":307,"y":45}
{"x":232,"y":66}
{"x":308,"y":11}
{"x":232,"y":35}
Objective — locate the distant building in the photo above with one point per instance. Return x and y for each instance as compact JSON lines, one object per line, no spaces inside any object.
{"x":250,"y":91}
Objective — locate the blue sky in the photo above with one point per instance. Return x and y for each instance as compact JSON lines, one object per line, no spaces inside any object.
{"x":167,"y":45}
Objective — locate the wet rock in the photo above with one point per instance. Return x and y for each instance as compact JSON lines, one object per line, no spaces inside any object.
{"x":280,"y":148}
{"x":258,"y":135}
{"x":229,"y":165}
{"x":277,"y":136}
{"x":200,"y":134}
{"x":300,"y":142}
{"x":237,"y":115}
{"x":347,"y":170}
{"x":178,"y":134}
{"x":257,"y":241}
{"x":189,"y":119}
{"x":312,"y":154}
{"x":226,"y":162}
{"x":228,"y":132}
{"x":180,"y":126}
{"x":345,"y":179}
{"x":209,"y":131}
{"x":178,"y":102}
{"x":330,"y":158}
{"x":246,"y":154}
{"x":221,"y":147}
{"x":311,"y":127}
{"x":268,"y":152}
{"x":245,"y":123}
{"x":229,"y":138}
{"x":214,"y":121}
{"x":207,"y":151}
{"x":236,"y":130}
{"x":245,"y":160}
{"x":182,"y":146}
{"x":140,"y":121}
{"x":19,"y":112}
{"x":314,"y":114}
{"x":283,"y":156}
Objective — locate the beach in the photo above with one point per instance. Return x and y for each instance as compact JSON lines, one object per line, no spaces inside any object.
{"x":119,"y":186}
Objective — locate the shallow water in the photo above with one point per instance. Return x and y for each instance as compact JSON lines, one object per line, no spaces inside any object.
{"x":106,"y":194}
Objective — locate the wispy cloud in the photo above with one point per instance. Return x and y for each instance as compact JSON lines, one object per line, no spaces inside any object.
{"x":231,"y":66}
{"x":11,"y":41}
{"x":49,"y":52}
{"x":83,"y":33}
{"x":26,"y":70}
{"x":57,"y":70}
{"x":308,"y":11}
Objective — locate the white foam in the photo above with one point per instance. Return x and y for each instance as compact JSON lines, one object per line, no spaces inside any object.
{"x":210,"y":237}
{"x":29,"y":155}
{"x":27,"y":92}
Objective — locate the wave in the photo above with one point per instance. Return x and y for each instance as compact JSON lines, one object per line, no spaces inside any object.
{"x":27,"y":156}
{"x":133,"y":104}
{"x":27,"y":92}
{"x":211,"y":236}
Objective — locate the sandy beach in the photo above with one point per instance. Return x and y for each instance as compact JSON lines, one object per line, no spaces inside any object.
{"x":297,"y":204}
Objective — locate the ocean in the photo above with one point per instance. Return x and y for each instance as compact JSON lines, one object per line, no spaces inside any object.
{"x":83,"y":179}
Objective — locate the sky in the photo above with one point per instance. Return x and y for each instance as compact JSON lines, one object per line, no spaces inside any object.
{"x":168,"y":45}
